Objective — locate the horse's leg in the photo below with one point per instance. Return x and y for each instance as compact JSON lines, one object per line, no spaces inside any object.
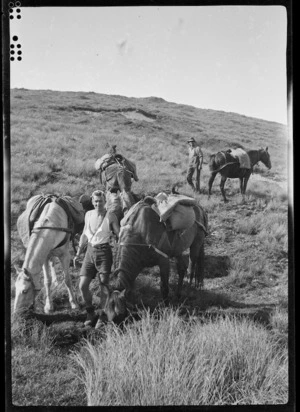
{"x":210,"y":182}
{"x":246,"y":178}
{"x":124,"y":182}
{"x":164,"y":266}
{"x":65,"y":261}
{"x":54,"y":281}
{"x":181,"y":269}
{"x":199,"y":272}
{"x":241,"y":184}
{"x":191,"y":267}
{"x":222,"y":184}
{"x":47,"y":283}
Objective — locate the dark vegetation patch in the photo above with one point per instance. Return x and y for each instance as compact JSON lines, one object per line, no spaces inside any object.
{"x":102,"y":109}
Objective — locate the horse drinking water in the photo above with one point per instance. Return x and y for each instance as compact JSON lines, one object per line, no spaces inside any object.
{"x":229,"y":167}
{"x":144,"y":241}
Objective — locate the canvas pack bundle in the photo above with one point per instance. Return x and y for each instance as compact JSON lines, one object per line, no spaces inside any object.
{"x":176,"y":210}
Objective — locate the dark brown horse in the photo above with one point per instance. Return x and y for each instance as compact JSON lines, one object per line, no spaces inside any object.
{"x":229,"y":167}
{"x":145,"y":242}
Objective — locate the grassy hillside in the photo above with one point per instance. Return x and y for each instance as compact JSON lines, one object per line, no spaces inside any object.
{"x":56,"y":138}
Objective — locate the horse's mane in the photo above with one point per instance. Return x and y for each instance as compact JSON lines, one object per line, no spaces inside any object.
{"x":133,"y":214}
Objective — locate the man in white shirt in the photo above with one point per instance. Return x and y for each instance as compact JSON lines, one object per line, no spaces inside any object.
{"x":195,"y":164}
{"x":98,"y":258}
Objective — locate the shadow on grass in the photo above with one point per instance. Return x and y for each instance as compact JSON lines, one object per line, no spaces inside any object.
{"x":59,"y":317}
{"x":210,"y":305}
{"x":216,"y":266}
{"x":67,"y":329}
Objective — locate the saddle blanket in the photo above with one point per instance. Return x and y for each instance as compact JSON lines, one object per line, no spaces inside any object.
{"x":242,"y":156}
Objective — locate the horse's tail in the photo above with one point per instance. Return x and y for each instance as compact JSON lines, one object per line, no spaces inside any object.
{"x":212,"y":164}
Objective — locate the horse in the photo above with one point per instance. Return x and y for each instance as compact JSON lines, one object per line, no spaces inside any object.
{"x":49,"y":237}
{"x":229,"y":167}
{"x":116,"y":176}
{"x":145,"y":242}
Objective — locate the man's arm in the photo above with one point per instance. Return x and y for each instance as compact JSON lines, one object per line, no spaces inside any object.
{"x":82,"y":241}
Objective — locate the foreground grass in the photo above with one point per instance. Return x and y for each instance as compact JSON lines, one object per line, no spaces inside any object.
{"x":162,"y":360}
{"x":41,"y":373}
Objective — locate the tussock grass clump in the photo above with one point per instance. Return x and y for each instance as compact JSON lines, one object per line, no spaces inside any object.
{"x":41,"y":374}
{"x":163,"y":360}
{"x":31,"y":333}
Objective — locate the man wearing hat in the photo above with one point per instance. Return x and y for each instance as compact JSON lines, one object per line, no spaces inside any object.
{"x":195,"y":164}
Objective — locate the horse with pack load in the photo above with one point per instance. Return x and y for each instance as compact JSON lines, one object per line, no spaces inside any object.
{"x":153,"y":231}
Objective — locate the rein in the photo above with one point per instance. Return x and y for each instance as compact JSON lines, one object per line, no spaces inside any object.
{"x":146,"y":245}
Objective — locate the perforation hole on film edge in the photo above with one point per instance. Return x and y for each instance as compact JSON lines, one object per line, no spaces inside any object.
{"x":13,"y":51}
{"x":11,"y":6}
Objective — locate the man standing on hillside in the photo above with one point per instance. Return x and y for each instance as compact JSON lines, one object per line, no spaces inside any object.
{"x":98,"y":258}
{"x":195,"y":164}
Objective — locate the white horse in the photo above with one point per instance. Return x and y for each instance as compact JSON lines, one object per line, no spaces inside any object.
{"x":50,"y":237}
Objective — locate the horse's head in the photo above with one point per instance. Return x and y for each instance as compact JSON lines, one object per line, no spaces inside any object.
{"x":25,"y":291}
{"x":115,"y":306}
{"x":264,"y":157}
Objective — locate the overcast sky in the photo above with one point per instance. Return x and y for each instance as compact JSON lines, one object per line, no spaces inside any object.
{"x":230,"y":58}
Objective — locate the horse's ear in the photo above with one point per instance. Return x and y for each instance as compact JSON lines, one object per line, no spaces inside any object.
{"x":266,"y":148}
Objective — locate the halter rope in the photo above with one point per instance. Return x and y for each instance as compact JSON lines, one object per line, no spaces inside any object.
{"x":146,"y":245}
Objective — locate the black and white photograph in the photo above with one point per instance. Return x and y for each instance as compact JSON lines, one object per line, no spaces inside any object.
{"x":148,"y":205}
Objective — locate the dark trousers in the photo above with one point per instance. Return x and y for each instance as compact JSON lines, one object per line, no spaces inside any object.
{"x":189,"y":177}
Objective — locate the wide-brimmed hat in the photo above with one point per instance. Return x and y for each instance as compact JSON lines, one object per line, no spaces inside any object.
{"x":191,"y":139}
